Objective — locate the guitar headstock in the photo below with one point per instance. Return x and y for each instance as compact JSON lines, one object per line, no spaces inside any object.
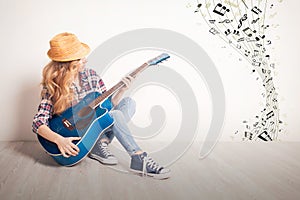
{"x":158,"y":59}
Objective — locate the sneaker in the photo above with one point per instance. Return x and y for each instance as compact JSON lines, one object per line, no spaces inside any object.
{"x":103,"y":155}
{"x":145,"y":165}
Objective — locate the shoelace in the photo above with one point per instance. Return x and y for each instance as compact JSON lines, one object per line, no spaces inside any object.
{"x":105,"y":151}
{"x":148,"y":161}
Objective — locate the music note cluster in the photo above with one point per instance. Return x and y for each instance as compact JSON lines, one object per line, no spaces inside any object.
{"x":242,"y":25}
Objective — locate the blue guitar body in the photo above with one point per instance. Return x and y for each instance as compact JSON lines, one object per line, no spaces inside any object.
{"x":73,"y":122}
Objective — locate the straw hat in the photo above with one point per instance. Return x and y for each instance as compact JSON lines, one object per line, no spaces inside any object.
{"x":66,"y":47}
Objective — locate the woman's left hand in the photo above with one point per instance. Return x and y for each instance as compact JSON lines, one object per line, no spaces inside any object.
{"x":127,"y":80}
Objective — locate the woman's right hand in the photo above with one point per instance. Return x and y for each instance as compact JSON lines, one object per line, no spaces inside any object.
{"x":66,"y":146}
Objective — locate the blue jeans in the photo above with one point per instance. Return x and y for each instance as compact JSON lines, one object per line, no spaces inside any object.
{"x":122,"y":113}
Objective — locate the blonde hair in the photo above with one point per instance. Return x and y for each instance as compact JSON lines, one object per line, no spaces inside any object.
{"x":57,"y":79}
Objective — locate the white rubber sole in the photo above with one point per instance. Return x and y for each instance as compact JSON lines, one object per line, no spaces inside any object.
{"x":103,"y":160}
{"x":155,"y":176}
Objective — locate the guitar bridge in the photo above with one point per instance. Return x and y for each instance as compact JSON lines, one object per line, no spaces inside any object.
{"x":67,"y":124}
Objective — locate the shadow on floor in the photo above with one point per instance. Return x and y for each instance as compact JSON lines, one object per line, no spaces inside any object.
{"x":33,"y":151}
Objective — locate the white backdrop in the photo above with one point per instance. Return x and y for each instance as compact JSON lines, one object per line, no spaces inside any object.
{"x":27,"y":27}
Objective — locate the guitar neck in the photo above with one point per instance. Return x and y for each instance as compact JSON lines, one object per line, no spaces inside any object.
{"x":115,"y":88}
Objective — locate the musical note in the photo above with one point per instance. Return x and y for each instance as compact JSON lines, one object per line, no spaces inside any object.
{"x":270,"y":114}
{"x":212,"y":21}
{"x":255,"y":53}
{"x":250,"y":40}
{"x":265,"y":27}
{"x":198,"y":7}
{"x":249,"y":32}
{"x":248,"y":135}
{"x":226,"y":21}
{"x":247,"y":53}
{"x":235,"y":32}
{"x":263,"y":121}
{"x":241,"y":20}
{"x":257,"y":38}
{"x":265,"y":136}
{"x":220,"y":9}
{"x":213,"y":31}
{"x":241,"y":39}
{"x":227,"y":32}
{"x":255,"y":63}
{"x":254,"y":21}
{"x":269,"y":80}
{"x":256,"y":10}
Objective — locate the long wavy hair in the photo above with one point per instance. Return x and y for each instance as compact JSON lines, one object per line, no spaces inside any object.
{"x":57,"y":79}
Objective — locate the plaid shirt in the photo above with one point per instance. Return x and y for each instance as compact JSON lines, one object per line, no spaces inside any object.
{"x":90,"y":81}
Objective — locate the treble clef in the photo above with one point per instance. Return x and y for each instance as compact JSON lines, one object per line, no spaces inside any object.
{"x":241,"y":20}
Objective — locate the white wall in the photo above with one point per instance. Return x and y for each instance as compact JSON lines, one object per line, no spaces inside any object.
{"x":27,"y":27}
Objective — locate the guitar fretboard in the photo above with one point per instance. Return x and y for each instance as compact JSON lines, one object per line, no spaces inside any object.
{"x":115,"y":88}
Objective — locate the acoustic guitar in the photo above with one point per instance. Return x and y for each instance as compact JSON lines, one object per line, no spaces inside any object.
{"x":88,"y":119}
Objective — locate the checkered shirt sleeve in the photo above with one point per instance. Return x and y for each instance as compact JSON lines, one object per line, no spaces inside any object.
{"x":45,"y":112}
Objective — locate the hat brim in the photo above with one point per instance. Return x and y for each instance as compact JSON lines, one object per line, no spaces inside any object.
{"x":82,"y":52}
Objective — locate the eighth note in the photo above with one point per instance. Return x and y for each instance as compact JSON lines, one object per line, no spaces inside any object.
{"x":254,"y":21}
{"x":249,"y":32}
{"x":220,"y":9}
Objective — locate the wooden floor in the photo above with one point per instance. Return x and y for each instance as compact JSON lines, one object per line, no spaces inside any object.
{"x":232,"y":171}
